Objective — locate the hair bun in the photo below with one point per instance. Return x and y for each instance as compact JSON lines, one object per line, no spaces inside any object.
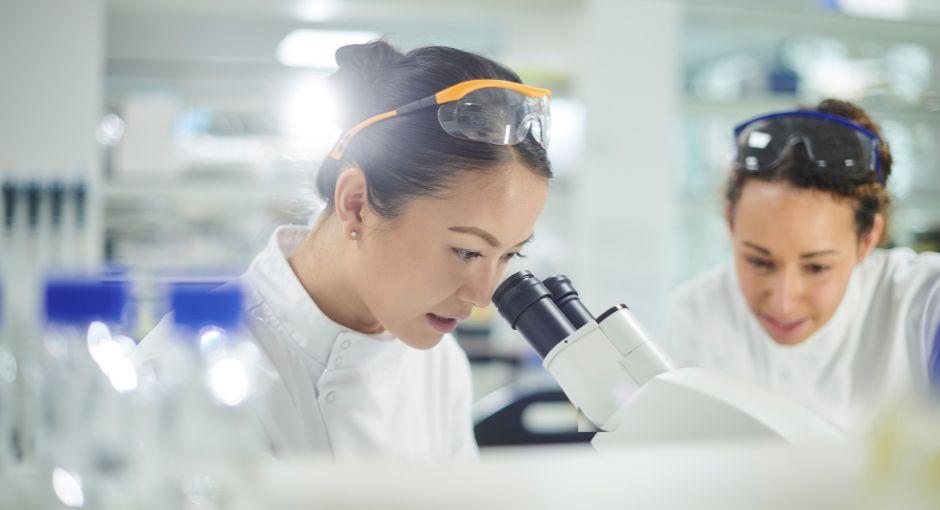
{"x":856,"y":114}
{"x":367,"y":59}
{"x":846,"y":110}
{"x":360,"y":68}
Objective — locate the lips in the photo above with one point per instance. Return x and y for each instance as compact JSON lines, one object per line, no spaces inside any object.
{"x":783,"y":329}
{"x":442,"y":324}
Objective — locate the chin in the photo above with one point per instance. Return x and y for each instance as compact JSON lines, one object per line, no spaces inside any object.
{"x":420,"y":340}
{"x":796,"y":339}
{"x":788,"y":341}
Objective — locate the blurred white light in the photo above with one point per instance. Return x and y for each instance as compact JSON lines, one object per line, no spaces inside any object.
{"x":112,"y":357}
{"x":567,"y":133}
{"x":837,"y":77}
{"x":316,"y":10}
{"x":110,"y":130}
{"x":904,"y":148}
{"x":7,"y":365}
{"x":123,"y":375}
{"x":885,"y":9}
{"x":100,"y":345}
{"x":309,"y":117}
{"x":550,"y":417}
{"x":98,"y":332}
{"x":228,"y":382}
{"x":758,"y":140}
{"x":102,"y":349}
{"x":68,"y":488}
{"x":908,"y":70}
{"x":209,"y":339}
{"x":316,"y":48}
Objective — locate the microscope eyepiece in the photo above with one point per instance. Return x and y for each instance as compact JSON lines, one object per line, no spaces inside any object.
{"x":527,"y":305}
{"x":610,"y":311}
{"x":568,"y":300}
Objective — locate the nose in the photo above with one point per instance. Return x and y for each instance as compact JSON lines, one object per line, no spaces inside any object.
{"x":786,"y":292}
{"x":478,"y":286}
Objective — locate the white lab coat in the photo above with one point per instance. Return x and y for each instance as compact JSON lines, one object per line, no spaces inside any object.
{"x":338,"y":391}
{"x":875,"y":348}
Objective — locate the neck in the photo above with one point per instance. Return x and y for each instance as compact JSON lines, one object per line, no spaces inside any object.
{"x":322,"y":264}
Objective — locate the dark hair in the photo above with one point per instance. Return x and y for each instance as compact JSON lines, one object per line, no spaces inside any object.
{"x":411,"y":156}
{"x":869,"y":196}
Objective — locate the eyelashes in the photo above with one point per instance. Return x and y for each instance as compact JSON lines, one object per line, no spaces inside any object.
{"x":766,"y":265}
{"x":469,"y":255}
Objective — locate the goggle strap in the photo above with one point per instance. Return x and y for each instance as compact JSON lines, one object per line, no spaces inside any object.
{"x":417,"y":105}
{"x":876,"y":157}
{"x":340,"y":147}
{"x":460,"y":90}
{"x":807,"y":113}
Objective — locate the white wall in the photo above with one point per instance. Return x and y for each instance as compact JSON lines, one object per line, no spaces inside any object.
{"x":625,"y":239}
{"x":51,"y":52}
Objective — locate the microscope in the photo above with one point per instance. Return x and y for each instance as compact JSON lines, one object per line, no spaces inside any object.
{"x":627,"y":389}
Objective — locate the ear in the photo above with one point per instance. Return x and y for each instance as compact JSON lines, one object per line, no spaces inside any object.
{"x":870,"y":241}
{"x":351,"y":199}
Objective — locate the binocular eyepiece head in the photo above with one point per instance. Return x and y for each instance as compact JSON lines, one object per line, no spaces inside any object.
{"x":545,"y":313}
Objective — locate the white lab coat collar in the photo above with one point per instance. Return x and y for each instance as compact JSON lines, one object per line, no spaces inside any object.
{"x":302,"y":322}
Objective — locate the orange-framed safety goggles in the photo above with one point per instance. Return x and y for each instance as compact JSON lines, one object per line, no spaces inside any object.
{"x":492,"y":111}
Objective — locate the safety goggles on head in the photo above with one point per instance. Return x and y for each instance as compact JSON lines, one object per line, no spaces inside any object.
{"x":833,"y":143}
{"x":492,"y":111}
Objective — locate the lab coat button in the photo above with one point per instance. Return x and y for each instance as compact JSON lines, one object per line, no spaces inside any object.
{"x":330,"y":396}
{"x":345,"y":344}
{"x":338,"y":362}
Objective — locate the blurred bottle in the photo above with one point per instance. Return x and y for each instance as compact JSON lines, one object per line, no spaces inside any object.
{"x":8,"y":459}
{"x":85,"y":442}
{"x":208,"y":379}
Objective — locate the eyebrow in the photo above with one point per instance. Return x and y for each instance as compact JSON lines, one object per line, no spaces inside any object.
{"x":818,"y":253}
{"x":809,"y":255}
{"x":759,"y":248}
{"x":482,"y":234}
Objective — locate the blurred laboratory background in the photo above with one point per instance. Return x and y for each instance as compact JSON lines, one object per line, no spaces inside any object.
{"x":168,"y":138}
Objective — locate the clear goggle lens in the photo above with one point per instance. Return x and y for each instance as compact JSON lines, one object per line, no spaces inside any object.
{"x":764,"y":143}
{"x":498,"y":116}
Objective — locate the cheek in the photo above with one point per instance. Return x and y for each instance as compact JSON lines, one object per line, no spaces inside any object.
{"x":825,"y":293}
{"x":751,"y":282}
{"x":407,"y":285}
{"x":437,"y":276}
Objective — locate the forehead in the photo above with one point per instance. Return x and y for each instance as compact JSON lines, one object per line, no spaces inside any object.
{"x":787,"y":219}
{"x":505,"y":201}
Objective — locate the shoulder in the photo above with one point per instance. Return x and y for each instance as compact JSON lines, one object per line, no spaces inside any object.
{"x":706,"y":292}
{"x":903,"y":269}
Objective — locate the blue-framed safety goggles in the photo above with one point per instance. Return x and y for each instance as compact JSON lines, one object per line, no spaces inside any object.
{"x":833,"y":143}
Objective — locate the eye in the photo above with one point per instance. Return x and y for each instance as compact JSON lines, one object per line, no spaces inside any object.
{"x":816,"y":268}
{"x":513,"y":255}
{"x":760,"y":263}
{"x":466,"y":255}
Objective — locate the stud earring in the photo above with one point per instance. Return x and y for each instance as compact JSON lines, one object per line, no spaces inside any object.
{"x":354,"y":235}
